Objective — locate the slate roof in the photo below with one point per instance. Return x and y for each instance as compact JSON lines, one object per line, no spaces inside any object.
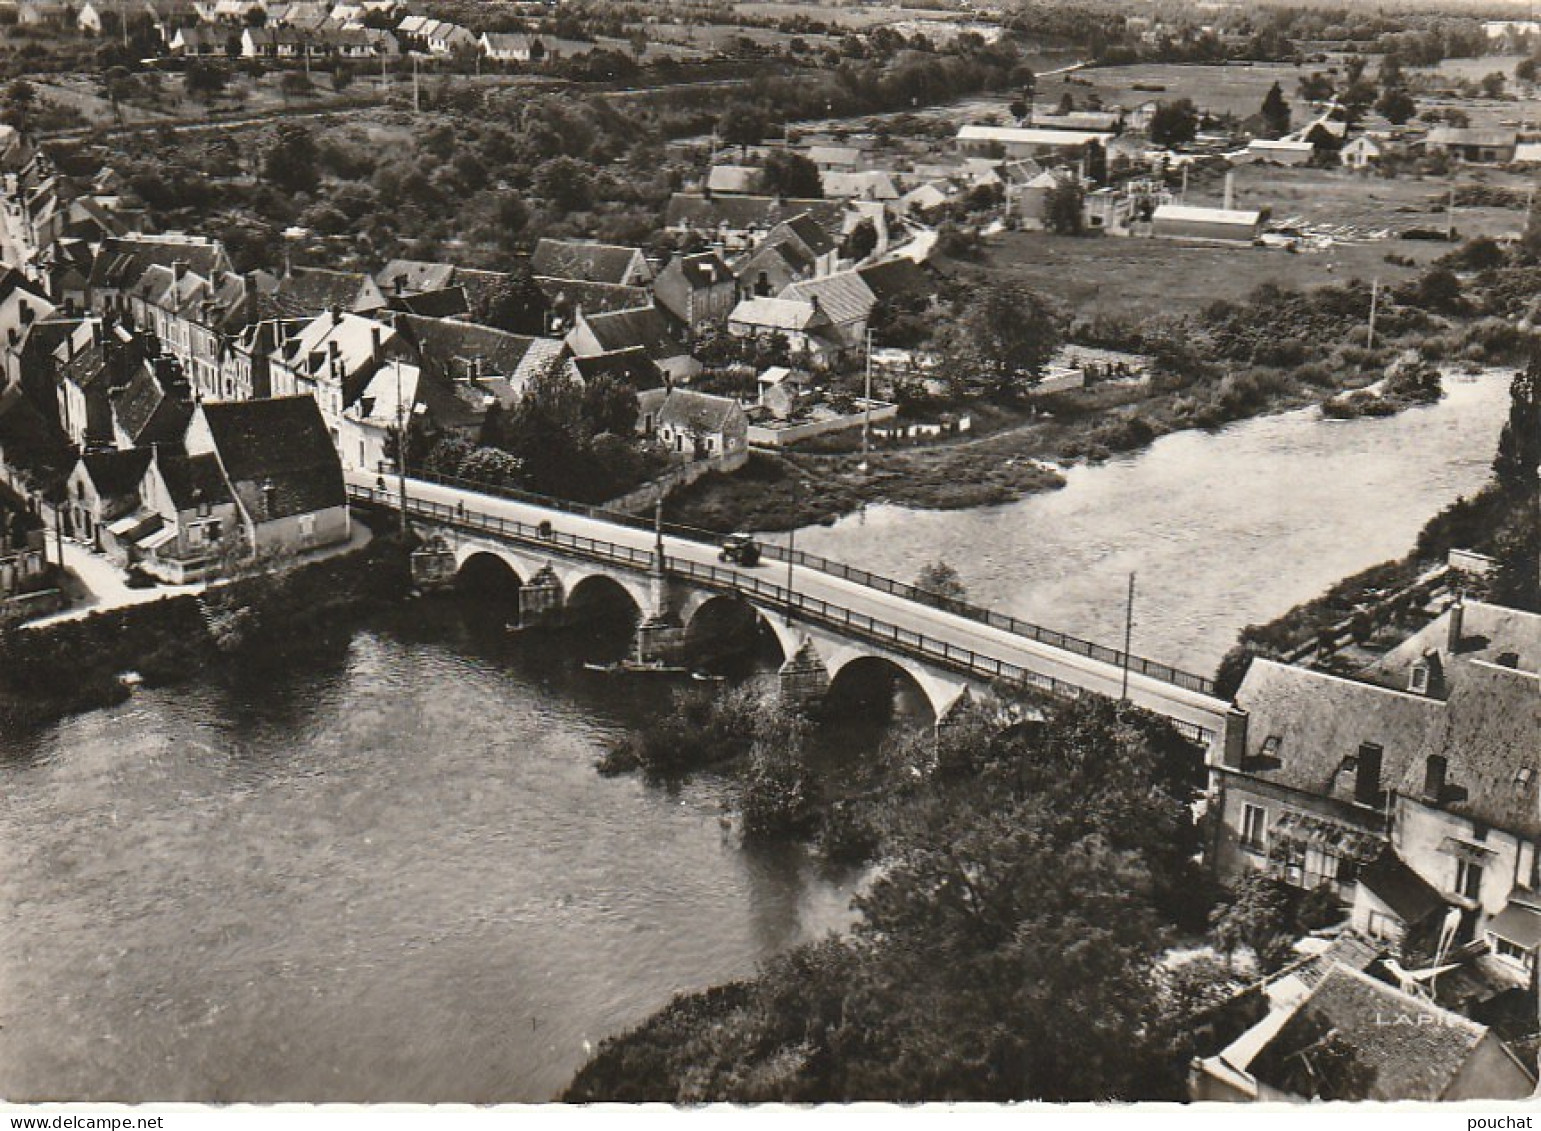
{"x":687,"y":409}
{"x":116,"y":473}
{"x":897,"y":279}
{"x":644,"y":326}
{"x":704,"y":269}
{"x":843,"y":296}
{"x":314,"y":290}
{"x":778,"y":314}
{"x":633,"y":366}
{"x":447,"y":303}
{"x":1407,"y":1061}
{"x":568,"y":295}
{"x":733,"y":178}
{"x":1487,"y":632}
{"x":745,"y":213}
{"x":1319,"y":721}
{"x":415,"y":275}
{"x":122,"y":259}
{"x":1489,"y":734}
{"x":1400,"y":888}
{"x":193,"y":481}
{"x":279,"y":446}
{"x":583,"y":260}
{"x":147,"y":413}
{"x":457,"y":349}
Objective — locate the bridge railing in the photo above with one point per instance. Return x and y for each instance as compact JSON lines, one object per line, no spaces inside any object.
{"x":779,"y":553}
{"x":966,"y":661}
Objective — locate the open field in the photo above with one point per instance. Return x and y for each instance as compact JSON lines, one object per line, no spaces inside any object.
{"x":843,"y":15}
{"x":1236,"y":88}
{"x":1107,"y":276}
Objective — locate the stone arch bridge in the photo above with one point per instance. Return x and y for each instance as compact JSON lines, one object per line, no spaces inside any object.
{"x":829,"y":619}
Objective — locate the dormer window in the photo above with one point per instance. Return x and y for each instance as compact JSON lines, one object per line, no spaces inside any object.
{"x":1524,"y":776}
{"x":1419,"y":680}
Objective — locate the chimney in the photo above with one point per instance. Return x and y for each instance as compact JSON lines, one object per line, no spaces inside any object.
{"x":249,"y":284}
{"x":179,"y":270}
{"x":1433,"y":778}
{"x":26,"y":312}
{"x":1230,"y":190}
{"x":1234,"y":752}
{"x":1454,"y":625}
{"x":376,"y":349}
{"x":1367,"y":775}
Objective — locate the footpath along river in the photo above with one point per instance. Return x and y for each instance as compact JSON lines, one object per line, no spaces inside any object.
{"x":390,"y":872}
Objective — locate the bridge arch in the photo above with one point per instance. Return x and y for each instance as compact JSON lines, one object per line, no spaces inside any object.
{"x":704,"y":614}
{"x":600,"y":593}
{"x":869,"y":676}
{"x":487,"y":574}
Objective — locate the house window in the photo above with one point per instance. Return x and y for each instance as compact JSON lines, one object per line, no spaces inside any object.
{"x":1468,"y":879}
{"x":1254,"y":828}
{"x":307,"y":526}
{"x":1510,"y":952}
{"x":1347,"y":870}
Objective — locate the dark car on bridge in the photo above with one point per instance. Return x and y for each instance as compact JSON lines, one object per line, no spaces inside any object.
{"x":740,"y":549}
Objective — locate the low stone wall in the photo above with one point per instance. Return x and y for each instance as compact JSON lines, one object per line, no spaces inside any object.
{"x":763,"y":437}
{"x":654,"y":491}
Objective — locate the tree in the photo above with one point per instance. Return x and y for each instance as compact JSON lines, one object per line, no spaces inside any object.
{"x":295,"y":84}
{"x":1259,"y":917}
{"x":566,"y":184}
{"x":291,"y":161}
{"x":1525,"y":69}
{"x":1002,"y":339}
{"x":204,"y":81}
{"x":493,"y":466}
{"x":1354,"y":67}
{"x":743,"y":125}
{"x":1094,"y":160}
{"x":1493,"y":84}
{"x":1064,"y":206}
{"x":1390,"y":74}
{"x":609,"y":405}
{"x":513,"y":303}
{"x":1174,"y":123}
{"x":1396,"y":105}
{"x":1519,"y":444}
{"x":940,"y":581}
{"x":1315,"y":87}
{"x":1275,"y":112}
{"x":789,"y":173}
{"x":861,"y":242}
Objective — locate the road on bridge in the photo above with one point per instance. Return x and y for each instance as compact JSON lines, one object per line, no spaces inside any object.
{"x":1183,"y":705}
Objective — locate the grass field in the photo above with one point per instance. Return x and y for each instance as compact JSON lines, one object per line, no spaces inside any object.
{"x":1109,"y":276}
{"x":1236,"y":89}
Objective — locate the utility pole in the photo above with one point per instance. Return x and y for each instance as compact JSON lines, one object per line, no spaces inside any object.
{"x":1374,"y":304}
{"x":1128,"y":638}
{"x":401,"y":451}
{"x":1450,"y":213}
{"x":658,"y":536}
{"x":1184,"y":199}
{"x":416,"y":93}
{"x":866,"y":422}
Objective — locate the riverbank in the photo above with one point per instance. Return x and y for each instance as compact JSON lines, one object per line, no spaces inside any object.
{"x":58,"y":669}
{"x":1021,"y":456}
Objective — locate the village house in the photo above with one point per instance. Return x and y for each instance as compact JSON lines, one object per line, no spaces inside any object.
{"x":872,"y":184}
{"x":282,"y":469}
{"x":846,"y":302}
{"x":194,"y":317}
{"x":102,"y":488}
{"x":1473,"y":145}
{"x":1279,"y":152}
{"x":436,"y":37}
{"x":390,"y":401}
{"x":699,"y":290}
{"x":842,"y":158}
{"x":1406,"y":1046}
{"x":795,"y":249}
{"x":590,"y":262}
{"x":564,"y":299}
{"x":24,"y":565}
{"x":330,"y":358}
{"x":645,"y":327}
{"x":477,"y":361}
{"x":91,"y":360}
{"x":44,"y":14}
{"x":695,"y":425}
{"x":305,"y":292}
{"x":510,"y":47}
{"x":806,"y":329}
{"x":1360,"y":153}
{"x":731,"y":180}
{"x":121,"y":261}
{"x":153,"y":407}
{"x":1026,"y":141}
{"x":200,"y":42}
{"x":735,"y":224}
{"x":185,"y":523}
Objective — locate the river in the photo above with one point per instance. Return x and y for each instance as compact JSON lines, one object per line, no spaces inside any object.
{"x":1222,"y":529}
{"x":390,"y":871}
{"x":392,"y":874}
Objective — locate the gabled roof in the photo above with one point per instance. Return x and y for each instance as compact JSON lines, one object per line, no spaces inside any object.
{"x":688,"y":409}
{"x":897,"y":279}
{"x":122,"y":259}
{"x":633,"y":366}
{"x":583,"y":260}
{"x":1411,"y":1049}
{"x":116,"y":473}
{"x":744,"y":213}
{"x":312,"y":290}
{"x":1487,"y":632}
{"x":703,"y":269}
{"x":733,"y":178}
{"x":414,"y":275}
{"x":644,"y":326}
{"x":447,"y":303}
{"x":1312,"y":722}
{"x":147,"y":413}
{"x":873,"y":184}
{"x":843,"y":296}
{"x":192,"y":481}
{"x":1400,"y":888}
{"x":778,"y":314}
{"x":461,"y":349}
{"x":567,"y":295}
{"x":279,"y":446}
